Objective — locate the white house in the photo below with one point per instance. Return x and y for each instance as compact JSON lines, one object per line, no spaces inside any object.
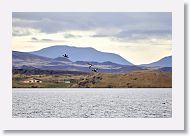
{"x":32,"y":81}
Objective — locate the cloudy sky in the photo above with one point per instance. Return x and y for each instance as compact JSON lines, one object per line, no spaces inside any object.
{"x":139,"y":37}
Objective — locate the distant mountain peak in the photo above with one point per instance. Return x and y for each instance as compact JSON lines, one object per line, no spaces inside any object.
{"x":32,"y":62}
{"x":81,"y":54}
{"x":164,"y":62}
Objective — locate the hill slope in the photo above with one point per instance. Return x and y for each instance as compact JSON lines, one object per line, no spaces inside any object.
{"x":24,"y":56}
{"x":81,"y":54}
{"x":138,"y":79}
{"x":20,"y":59}
{"x":164,"y":62}
{"x":135,"y":79}
{"x":27,"y":61}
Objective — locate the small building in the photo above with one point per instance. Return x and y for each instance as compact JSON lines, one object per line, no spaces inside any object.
{"x":67,"y":82}
{"x":32,"y":81}
{"x":64,"y":81}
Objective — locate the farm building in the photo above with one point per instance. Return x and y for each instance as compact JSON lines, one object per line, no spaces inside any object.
{"x":64,"y":81}
{"x":32,"y":81}
{"x":67,"y":82}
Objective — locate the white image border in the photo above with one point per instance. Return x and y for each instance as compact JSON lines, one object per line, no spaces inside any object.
{"x":174,"y":123}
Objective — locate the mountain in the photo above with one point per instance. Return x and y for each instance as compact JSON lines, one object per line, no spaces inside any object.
{"x":165,"y":69}
{"x":27,"y":67}
{"x":35,"y":63}
{"x":81,"y":54}
{"x":62,"y":59}
{"x":24,"y":59}
{"x":164,"y":62}
{"x":27,"y":56}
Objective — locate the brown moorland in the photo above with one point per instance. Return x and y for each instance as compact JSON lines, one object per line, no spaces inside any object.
{"x":135,"y":79}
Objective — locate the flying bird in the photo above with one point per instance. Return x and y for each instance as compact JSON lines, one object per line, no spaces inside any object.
{"x":66,"y":56}
{"x":90,"y":65}
{"x":95,"y":70}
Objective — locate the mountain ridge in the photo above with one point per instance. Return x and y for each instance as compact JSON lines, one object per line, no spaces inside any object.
{"x":81,"y":54}
{"x":163,"y":62}
{"x":21,"y":60}
{"x":25,"y":60}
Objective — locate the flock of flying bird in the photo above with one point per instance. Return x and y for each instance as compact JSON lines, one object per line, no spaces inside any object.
{"x":90,"y":65}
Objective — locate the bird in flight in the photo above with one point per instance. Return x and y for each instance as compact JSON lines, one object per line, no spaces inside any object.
{"x":66,"y":56}
{"x":90,"y":65}
{"x":95,"y":70}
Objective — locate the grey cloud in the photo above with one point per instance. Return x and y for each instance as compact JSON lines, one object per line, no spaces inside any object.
{"x":20,"y":32}
{"x":133,"y":25}
{"x":134,"y":35}
{"x":57,"y":21}
{"x":101,"y":35}
{"x":144,"y":34}
{"x":34,"y":39}
{"x":47,"y":40}
{"x":71,"y":36}
{"x":52,"y":22}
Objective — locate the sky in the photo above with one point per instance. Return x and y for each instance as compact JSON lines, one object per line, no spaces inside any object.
{"x":139,"y":37}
